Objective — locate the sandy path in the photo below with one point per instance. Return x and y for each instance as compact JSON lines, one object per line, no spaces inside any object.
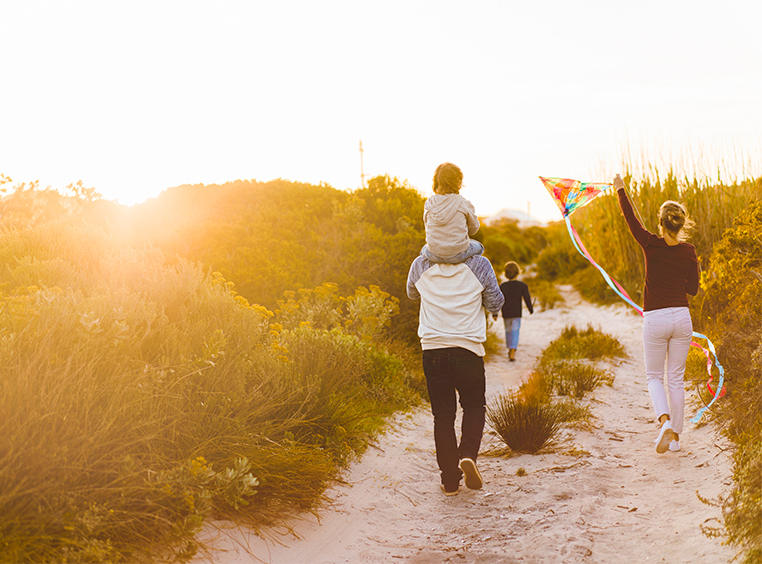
{"x":604,"y":496}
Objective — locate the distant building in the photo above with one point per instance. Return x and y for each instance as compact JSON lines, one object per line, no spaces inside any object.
{"x":521,"y":218}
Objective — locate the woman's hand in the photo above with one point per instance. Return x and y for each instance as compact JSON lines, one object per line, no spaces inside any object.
{"x":618,"y":183}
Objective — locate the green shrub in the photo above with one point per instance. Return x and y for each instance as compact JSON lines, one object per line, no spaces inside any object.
{"x":140,"y":398}
{"x":589,"y":343}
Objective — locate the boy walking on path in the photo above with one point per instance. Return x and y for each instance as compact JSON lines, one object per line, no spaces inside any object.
{"x":513,"y":291}
{"x":452,"y":328}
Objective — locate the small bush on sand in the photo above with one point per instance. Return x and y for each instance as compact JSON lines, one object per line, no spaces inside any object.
{"x":524,"y":426}
{"x":575,"y":344}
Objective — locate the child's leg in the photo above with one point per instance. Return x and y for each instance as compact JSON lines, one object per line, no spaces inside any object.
{"x":474,"y":248}
{"x":512,"y":326}
{"x":515,"y":328}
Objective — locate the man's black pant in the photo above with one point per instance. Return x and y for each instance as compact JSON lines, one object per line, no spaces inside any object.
{"x":447,"y":371}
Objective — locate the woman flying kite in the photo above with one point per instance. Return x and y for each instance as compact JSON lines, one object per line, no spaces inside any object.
{"x":671,"y":274}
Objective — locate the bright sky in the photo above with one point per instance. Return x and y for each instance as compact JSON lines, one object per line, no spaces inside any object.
{"x":133,"y":97}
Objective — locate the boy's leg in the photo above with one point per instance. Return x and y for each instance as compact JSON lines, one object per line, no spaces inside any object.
{"x":474,"y":248}
{"x":515,"y":328}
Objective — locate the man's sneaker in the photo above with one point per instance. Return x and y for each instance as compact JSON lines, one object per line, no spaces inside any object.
{"x":471,"y":472}
{"x":674,"y":446}
{"x":664,"y":438}
{"x":449,"y":492}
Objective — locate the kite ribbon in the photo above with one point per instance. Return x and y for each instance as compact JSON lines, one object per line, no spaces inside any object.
{"x":720,"y":391}
{"x":613,"y":283}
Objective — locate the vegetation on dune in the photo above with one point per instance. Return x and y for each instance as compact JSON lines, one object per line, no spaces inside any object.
{"x":589,"y":343}
{"x":271,"y":237}
{"x":506,"y":241}
{"x":143,"y":395}
{"x":731,"y":307}
{"x":144,"y":392}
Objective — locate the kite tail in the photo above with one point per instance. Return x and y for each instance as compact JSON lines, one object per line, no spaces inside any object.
{"x":613,"y":283}
{"x":720,"y":391}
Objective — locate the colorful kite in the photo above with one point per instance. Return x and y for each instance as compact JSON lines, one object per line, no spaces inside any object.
{"x":570,"y":195}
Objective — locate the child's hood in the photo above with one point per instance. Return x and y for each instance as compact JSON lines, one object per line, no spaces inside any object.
{"x":441,"y":208}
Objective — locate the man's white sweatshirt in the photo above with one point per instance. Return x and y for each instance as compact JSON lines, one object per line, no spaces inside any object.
{"x":453,"y":298}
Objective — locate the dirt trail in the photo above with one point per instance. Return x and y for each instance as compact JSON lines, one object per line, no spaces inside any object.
{"x":604,"y":496}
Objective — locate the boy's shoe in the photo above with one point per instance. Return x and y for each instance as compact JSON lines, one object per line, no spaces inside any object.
{"x":449,"y":492}
{"x":512,"y":355}
{"x":674,"y":446}
{"x":471,"y":473}
{"x":664,"y":438}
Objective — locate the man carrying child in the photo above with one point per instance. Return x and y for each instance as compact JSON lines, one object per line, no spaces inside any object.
{"x":455,"y":286}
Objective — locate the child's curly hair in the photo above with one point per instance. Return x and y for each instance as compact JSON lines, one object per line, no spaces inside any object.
{"x":448,"y":179}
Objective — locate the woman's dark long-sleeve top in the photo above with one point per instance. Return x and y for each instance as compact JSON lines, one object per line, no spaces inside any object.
{"x":514,"y":291}
{"x":671,"y":271}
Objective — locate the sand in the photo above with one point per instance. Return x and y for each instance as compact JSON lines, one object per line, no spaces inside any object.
{"x":602,"y":495}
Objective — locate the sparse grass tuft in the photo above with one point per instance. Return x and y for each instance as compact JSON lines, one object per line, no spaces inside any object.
{"x":535,"y":388}
{"x":573,"y":378}
{"x":524,"y":426}
{"x":574,"y":414}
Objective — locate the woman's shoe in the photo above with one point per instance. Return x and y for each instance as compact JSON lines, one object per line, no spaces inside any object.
{"x":665,"y":437}
{"x":674,"y":446}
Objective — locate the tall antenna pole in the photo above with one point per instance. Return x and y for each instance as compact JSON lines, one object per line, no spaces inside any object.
{"x":362,"y":173}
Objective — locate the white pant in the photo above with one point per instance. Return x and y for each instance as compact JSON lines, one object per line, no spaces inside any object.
{"x":667,"y":335}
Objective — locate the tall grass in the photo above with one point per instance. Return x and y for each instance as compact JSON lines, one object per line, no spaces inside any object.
{"x":140,"y":398}
{"x":601,"y":226}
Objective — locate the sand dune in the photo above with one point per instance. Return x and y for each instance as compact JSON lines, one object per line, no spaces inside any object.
{"x":601,"y":496}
